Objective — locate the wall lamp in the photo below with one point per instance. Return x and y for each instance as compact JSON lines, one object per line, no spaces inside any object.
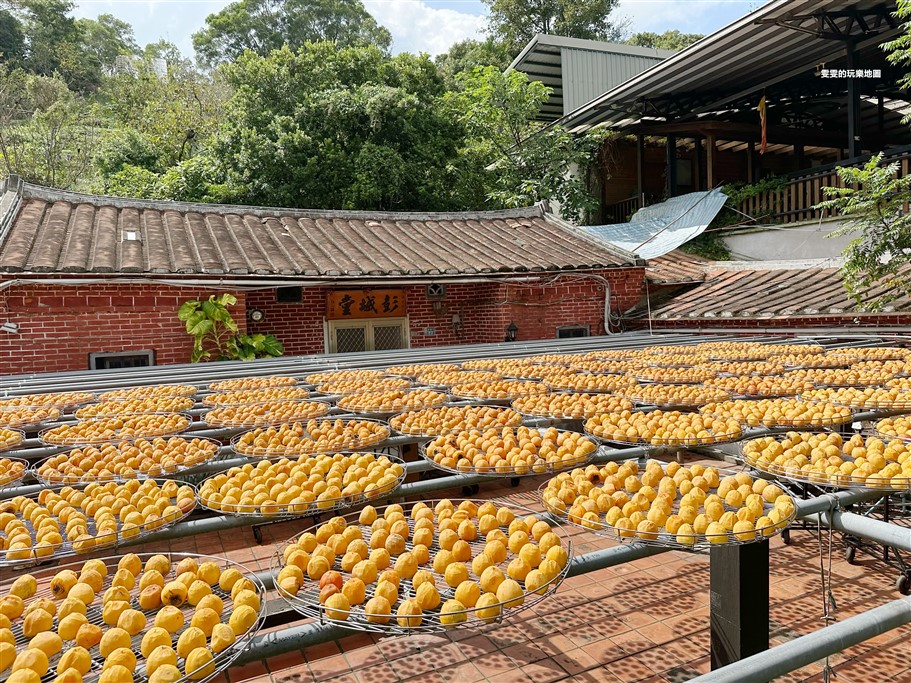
{"x":511,"y":332}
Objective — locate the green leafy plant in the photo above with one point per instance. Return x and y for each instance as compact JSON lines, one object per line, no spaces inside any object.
{"x":872,"y":201}
{"x":215,"y":332}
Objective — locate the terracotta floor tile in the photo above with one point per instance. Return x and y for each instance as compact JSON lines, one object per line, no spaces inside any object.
{"x":493,"y":663}
{"x":463,"y":672}
{"x":366,"y":655}
{"x":446,"y":656}
{"x":524,"y":653}
{"x":576,"y":661}
{"x":544,"y":671}
{"x":511,"y":676}
{"x":248,"y":671}
{"x":629,"y":669}
{"x":320,"y":651}
{"x":412,"y":665}
{"x":380,"y":673}
{"x":327,"y":667}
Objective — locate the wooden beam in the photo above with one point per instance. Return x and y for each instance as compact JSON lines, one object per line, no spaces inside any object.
{"x":744,"y":132}
{"x":640,"y":168}
{"x":710,"y":162}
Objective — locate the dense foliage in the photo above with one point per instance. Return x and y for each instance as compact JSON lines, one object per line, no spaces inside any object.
{"x":327,"y":119}
{"x":669,"y":40}
{"x":872,"y":201}
{"x":265,"y":25}
{"x":515,"y":22}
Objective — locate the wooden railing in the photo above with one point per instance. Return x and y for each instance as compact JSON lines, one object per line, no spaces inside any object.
{"x":621,"y":211}
{"x":794,"y":202}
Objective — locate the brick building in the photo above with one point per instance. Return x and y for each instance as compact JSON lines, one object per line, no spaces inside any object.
{"x":91,"y":281}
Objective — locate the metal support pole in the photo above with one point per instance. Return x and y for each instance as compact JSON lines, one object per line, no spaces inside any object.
{"x":739,"y":593}
{"x":671,"y":150}
{"x":782,"y":659}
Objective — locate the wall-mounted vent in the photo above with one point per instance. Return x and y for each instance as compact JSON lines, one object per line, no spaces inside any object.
{"x":130,"y":236}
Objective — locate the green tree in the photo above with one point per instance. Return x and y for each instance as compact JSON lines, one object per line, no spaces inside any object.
{"x":334,"y":128}
{"x":47,"y":132}
{"x":899,"y":50}
{"x":266,"y":25}
{"x":106,"y":38}
{"x":12,"y":40}
{"x":159,"y":119}
{"x":872,"y":201}
{"x":525,"y":162}
{"x":55,"y":43}
{"x":467,"y":54}
{"x":515,"y":22}
{"x":669,"y":40}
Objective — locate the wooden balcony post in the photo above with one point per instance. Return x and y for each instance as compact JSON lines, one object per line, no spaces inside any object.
{"x":710,"y":161}
{"x":640,"y":168}
{"x":671,"y":150}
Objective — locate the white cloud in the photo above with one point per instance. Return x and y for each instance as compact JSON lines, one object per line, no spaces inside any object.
{"x":417,"y":27}
{"x":689,"y":16}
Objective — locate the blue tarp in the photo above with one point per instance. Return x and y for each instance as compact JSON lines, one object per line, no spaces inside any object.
{"x":660,"y":228}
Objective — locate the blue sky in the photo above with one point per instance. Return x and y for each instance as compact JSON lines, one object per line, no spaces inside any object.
{"x":416,"y":25}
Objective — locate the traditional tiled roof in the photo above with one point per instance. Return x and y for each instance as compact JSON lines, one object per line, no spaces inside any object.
{"x":47,"y":231}
{"x":677,"y":268}
{"x":769,"y":292}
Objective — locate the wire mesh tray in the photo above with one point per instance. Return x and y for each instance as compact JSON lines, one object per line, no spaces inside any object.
{"x":66,"y":434}
{"x":125,"y":408}
{"x":220,"y":661}
{"x":670,"y":399}
{"x":513,"y":419}
{"x":303,"y":508}
{"x":588,"y":383}
{"x":413,"y":371}
{"x":28,"y":417}
{"x":60,"y":400}
{"x":822,"y":479}
{"x":296,"y":439}
{"x":887,"y":429}
{"x":712,"y":439}
{"x":504,"y":469}
{"x":127,"y":532}
{"x":381,"y":405}
{"x":252,"y":383}
{"x":659,"y":535}
{"x":589,"y":404}
{"x":10,"y":439}
{"x":854,"y":397}
{"x":446,"y":380}
{"x":155,"y":391}
{"x":256,"y":396}
{"x":265,"y":414}
{"x":732,"y":409}
{"x":306,"y":599}
{"x":210,"y":449}
{"x":12,"y":471}
{"x":504,"y":390}
{"x":334,"y":390}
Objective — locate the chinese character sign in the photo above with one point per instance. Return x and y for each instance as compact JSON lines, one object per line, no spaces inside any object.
{"x":365,"y":303}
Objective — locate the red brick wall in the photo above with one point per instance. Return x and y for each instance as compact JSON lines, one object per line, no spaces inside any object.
{"x":59,"y":325}
{"x":484,"y":308}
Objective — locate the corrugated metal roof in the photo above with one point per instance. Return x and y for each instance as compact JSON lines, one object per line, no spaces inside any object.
{"x":749,"y":53}
{"x":579,"y":70}
{"x":772,"y":293}
{"x":660,"y":228}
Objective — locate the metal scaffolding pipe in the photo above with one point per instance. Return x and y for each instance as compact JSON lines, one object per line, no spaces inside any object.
{"x":783,"y":659}
{"x":886,"y":534}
